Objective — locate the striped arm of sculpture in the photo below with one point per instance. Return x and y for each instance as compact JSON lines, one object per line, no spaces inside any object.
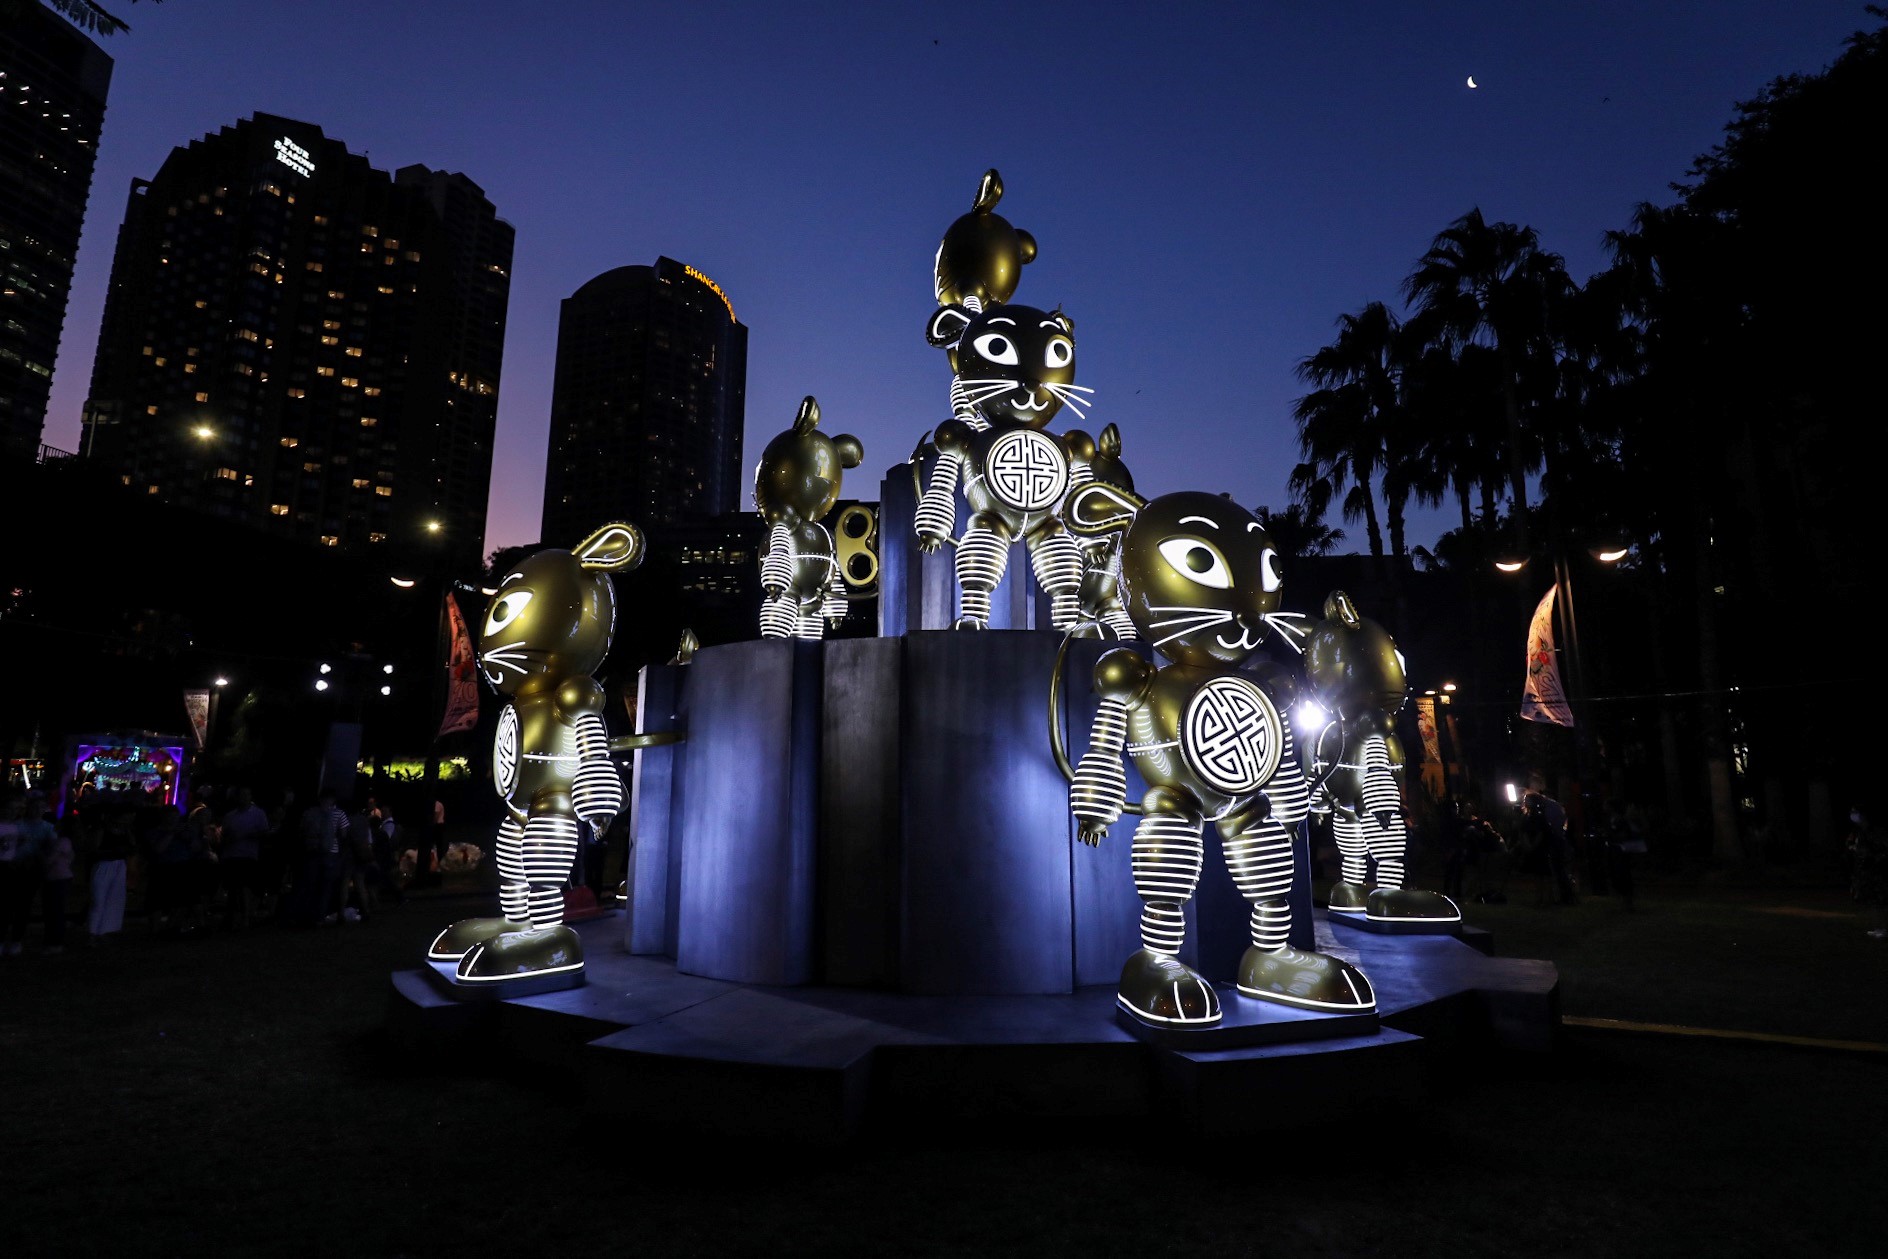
{"x":937,"y":508}
{"x":1099,"y":789}
{"x":596,"y":793}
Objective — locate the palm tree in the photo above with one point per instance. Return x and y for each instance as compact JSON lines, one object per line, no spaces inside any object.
{"x":1347,"y":423}
{"x":1492,"y":285}
{"x":1298,"y":531}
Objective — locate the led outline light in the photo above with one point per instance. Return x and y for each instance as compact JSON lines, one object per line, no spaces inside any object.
{"x":1161,"y":1018}
{"x":499,"y":979}
{"x":1312,"y":1003}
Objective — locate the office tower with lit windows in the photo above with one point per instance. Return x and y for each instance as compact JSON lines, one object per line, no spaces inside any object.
{"x":53,"y":82}
{"x":648,"y":404}
{"x":295,"y":339}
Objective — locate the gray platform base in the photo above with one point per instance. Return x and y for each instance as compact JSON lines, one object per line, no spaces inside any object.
{"x":445,"y":978}
{"x":815,"y":1064}
{"x":1357,"y":921}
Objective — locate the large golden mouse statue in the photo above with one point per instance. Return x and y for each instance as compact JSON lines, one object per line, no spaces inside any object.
{"x":796,"y":483}
{"x":1201,"y":582}
{"x":546,"y":630}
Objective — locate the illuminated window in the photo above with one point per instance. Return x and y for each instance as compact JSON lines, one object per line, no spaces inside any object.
{"x":328,"y":539}
{"x":148,"y":351}
{"x":189,"y":368}
{"x":368,"y":229}
{"x":201,"y":304}
{"x":332,"y":325}
{"x":372,"y":391}
{"x":349,"y":382}
{"x":150,"y":489}
{"x":335,"y":295}
{"x":386,"y":288}
{"x":391,"y":243}
{"x":311,"y":467}
{"x":203,"y":397}
{"x":385,"y":491}
{"x":290,"y":443}
{"x":247,"y":334}
{"x":361,"y":483}
{"x":125,"y":479}
{"x":353,"y":351}
{"x":321,"y":220}
{"x":297,"y":393}
{"x":376,"y":537}
{"x":228,"y":474}
{"x":150,"y":410}
{"x":313,"y":266}
{"x":330,"y":339}
{"x":411,"y":255}
{"x":278,"y":509}
{"x":324,"y":371}
{"x":368,"y":421}
{"x":161,"y":361}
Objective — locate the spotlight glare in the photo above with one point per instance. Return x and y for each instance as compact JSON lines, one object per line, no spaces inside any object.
{"x":386,"y":668}
{"x":404,"y":583}
{"x":321,"y":684}
{"x":1510,"y":566}
{"x":327,"y":668}
{"x":221,"y":681}
{"x":386,"y":690}
{"x":1514,"y":797}
{"x":1612,"y":557}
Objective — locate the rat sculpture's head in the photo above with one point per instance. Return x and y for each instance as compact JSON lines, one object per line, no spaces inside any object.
{"x":554,"y":614}
{"x":1355,"y":670}
{"x":800,"y":473}
{"x":1015,"y":363}
{"x":981,"y":256}
{"x":1200,"y":577}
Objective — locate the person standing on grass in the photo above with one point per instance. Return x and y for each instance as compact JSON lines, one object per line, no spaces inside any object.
{"x":52,"y":894}
{"x":245,"y":827}
{"x":107,"y":916}
{"x":19,"y":875}
{"x":1870,"y":882}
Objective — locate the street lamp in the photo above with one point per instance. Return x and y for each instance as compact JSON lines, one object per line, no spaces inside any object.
{"x":1511,"y":566}
{"x":203,"y":432}
{"x":404,"y":583}
{"x":221,"y":682}
{"x":434,"y":526}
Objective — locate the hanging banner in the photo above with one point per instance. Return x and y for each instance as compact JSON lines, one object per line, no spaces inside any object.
{"x":462,"y":686}
{"x":1542,"y":697}
{"x":1426,"y":726}
{"x":197,"y":706}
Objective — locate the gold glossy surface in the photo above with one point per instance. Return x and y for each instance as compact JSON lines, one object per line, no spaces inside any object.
{"x":1017,"y":362}
{"x":801,"y":471}
{"x":1165,"y":990}
{"x":982,"y":255}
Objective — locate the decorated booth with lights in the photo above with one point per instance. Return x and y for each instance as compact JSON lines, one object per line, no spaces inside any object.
{"x":959,"y":870}
{"x":136,"y":766}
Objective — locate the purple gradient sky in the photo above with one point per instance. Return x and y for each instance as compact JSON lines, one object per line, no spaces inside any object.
{"x":1211,"y":184}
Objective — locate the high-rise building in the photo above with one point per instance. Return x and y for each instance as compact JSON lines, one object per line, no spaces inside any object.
{"x":53,"y":82}
{"x":648,"y":404}
{"x":295,"y":339}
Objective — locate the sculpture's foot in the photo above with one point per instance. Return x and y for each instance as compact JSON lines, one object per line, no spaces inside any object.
{"x":1310,"y":981}
{"x":1164,"y":990}
{"x":526,"y":953}
{"x":1349,"y":898}
{"x":1398,"y":904}
{"x":457,"y":940}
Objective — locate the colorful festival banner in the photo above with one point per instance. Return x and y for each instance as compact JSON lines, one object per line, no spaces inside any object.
{"x":1426,"y":726}
{"x":1542,"y":696}
{"x":462,"y":686}
{"x":197,"y":707}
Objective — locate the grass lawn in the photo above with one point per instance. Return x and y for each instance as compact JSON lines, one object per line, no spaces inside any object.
{"x":234,"y":1095}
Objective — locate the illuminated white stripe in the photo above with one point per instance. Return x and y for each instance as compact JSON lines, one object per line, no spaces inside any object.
{"x":981,"y":558}
{"x":778,"y":617}
{"x":1361,"y":1005}
{"x":1100,"y":787}
{"x":472,"y":957}
{"x":1058,"y":565}
{"x":937,"y":508}
{"x":1177,"y":1020}
{"x":776,"y":566}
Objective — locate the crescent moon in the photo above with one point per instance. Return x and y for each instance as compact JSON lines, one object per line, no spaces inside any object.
{"x":1471,"y":80}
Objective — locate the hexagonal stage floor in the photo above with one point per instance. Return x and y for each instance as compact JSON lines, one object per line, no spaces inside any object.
{"x":658,"y":1046}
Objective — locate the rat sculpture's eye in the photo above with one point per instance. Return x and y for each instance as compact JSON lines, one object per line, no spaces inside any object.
{"x":1269,"y":578}
{"x":994,"y":347}
{"x":1060,"y":352}
{"x":1198,"y":561}
{"x":506,"y":610}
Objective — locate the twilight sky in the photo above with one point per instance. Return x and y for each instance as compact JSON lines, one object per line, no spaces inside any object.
{"x":1210,"y":184}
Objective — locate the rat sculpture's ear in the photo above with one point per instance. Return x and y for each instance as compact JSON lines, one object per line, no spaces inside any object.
{"x":1338,"y":607}
{"x":1025,"y":247}
{"x":989,"y":191}
{"x":851,"y":450}
{"x":808,"y":418}
{"x":947,"y":325}
{"x":1111,"y":441}
{"x":615,"y":548}
{"x":1099,"y":508}
{"x":1068,"y":325}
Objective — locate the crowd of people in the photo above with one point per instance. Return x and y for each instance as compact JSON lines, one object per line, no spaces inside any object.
{"x":224,"y":861}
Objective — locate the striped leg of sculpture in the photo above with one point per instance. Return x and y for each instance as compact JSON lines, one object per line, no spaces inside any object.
{"x":1058,"y":564}
{"x":457,"y":940}
{"x":982,"y":555}
{"x":1155,"y":984}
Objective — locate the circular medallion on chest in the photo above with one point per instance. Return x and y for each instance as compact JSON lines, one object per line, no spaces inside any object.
{"x":505,"y":752}
{"x":1231,"y":735}
{"x":1026,"y":470}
